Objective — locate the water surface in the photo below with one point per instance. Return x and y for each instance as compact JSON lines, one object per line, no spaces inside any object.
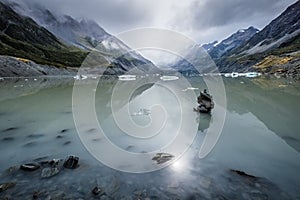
{"x":260,"y":137}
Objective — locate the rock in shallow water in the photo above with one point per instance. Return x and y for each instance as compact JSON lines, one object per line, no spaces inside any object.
{"x":71,"y":162}
{"x":5,"y":186}
{"x":161,"y":158}
{"x":49,"y":172}
{"x":241,"y":173}
{"x":30,"y":167}
{"x":98,"y":191}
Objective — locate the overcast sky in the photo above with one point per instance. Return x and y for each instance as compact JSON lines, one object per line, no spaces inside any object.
{"x":202,"y":20}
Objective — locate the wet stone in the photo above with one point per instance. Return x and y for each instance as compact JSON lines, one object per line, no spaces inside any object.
{"x":92,"y":130}
{"x":49,"y":172}
{"x":67,"y":143}
{"x":6,"y":186}
{"x":64,"y":130}
{"x":129,"y":147}
{"x":98,"y":191}
{"x":10,"y":129}
{"x":71,"y":162}
{"x":8,"y":139}
{"x":30,"y":166}
{"x":59,"y":137}
{"x":241,"y":173}
{"x":36,"y":195}
{"x":161,"y":158}
{"x":55,"y":163}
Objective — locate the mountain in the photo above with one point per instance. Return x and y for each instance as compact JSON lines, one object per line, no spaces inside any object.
{"x":215,"y":49}
{"x":84,"y":34}
{"x":210,"y":46}
{"x":232,"y":42}
{"x":274,"y":49}
{"x":71,"y":31}
{"x":22,"y":37}
{"x":35,"y":33}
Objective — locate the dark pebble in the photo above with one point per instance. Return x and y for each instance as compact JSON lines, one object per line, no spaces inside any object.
{"x":64,"y":130}
{"x":35,"y":136}
{"x":30,"y":166}
{"x":92,"y":130}
{"x":97,"y":190}
{"x":59,"y":137}
{"x":35,"y":195}
{"x":30,"y":144}
{"x":129,"y":147}
{"x":241,"y":173}
{"x":5,"y":186}
{"x":67,"y":143}
{"x":6,"y":139}
{"x":10,"y":129}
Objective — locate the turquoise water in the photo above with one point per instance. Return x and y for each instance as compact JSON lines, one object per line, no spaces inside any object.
{"x":260,"y":136}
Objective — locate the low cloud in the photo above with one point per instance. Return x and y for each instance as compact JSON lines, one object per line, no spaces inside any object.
{"x":202,"y":20}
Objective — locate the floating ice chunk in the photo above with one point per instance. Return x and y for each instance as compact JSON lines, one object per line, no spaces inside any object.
{"x":247,"y":74}
{"x":127,"y":77}
{"x":252,"y":74}
{"x":169,"y":78}
{"x":80,"y":77}
{"x":190,"y":88}
{"x":141,"y":112}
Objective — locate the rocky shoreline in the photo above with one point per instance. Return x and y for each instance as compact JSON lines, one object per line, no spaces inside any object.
{"x":69,"y":179}
{"x":19,"y":67}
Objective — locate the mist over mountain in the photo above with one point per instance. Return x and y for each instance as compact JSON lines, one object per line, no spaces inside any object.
{"x":62,"y":32}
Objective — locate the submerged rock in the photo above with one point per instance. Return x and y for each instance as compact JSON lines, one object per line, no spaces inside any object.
{"x":7,"y":139}
{"x":241,"y":173}
{"x":98,"y":191}
{"x":71,"y":162}
{"x":10,"y":129}
{"x":67,"y":143}
{"x":161,"y":158}
{"x":5,"y":186}
{"x":49,"y":172}
{"x":64,"y":130}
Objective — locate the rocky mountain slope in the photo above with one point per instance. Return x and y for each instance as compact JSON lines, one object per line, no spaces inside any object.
{"x":23,"y":37}
{"x":235,"y":40}
{"x":34,"y":33}
{"x":274,"y":49}
{"x":83,"y":33}
{"x":279,"y":40}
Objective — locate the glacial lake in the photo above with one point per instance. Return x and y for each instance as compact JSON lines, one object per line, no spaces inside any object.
{"x":256,"y":155}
